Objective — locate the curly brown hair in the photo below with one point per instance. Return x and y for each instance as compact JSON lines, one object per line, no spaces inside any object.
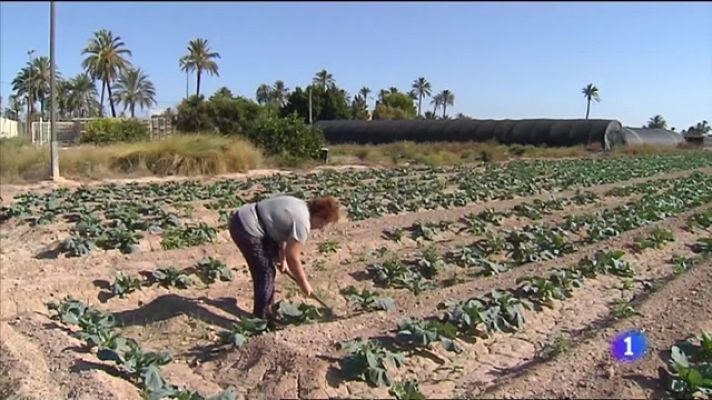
{"x":325,"y":207}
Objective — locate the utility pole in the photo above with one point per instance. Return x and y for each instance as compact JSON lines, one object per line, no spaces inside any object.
{"x":310,"y":105}
{"x":53,"y":156}
{"x":29,"y":95}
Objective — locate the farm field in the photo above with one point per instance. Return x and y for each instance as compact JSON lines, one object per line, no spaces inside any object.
{"x":485,"y":281}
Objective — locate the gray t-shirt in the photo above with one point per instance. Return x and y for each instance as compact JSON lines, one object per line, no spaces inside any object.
{"x":283,"y":217}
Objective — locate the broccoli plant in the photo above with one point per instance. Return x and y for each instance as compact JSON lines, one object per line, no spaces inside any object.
{"x":328,"y":247}
{"x":395,"y":273}
{"x":690,"y":367}
{"x":289,"y":313}
{"x":77,"y":246}
{"x":369,"y":362}
{"x":245,"y":329}
{"x":655,"y":240}
{"x":210,"y":270}
{"x":170,"y":276}
{"x":416,"y":333}
{"x":96,"y":326}
{"x":367,"y":300}
{"x":124,"y":284}
{"x":189,"y":236}
{"x":407,"y":390}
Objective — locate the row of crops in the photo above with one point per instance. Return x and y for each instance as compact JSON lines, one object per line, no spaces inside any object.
{"x":118,"y":217}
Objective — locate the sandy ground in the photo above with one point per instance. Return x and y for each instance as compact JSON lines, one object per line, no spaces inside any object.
{"x":40,"y":360}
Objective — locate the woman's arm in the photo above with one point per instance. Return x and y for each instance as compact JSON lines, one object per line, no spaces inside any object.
{"x":293,"y":250}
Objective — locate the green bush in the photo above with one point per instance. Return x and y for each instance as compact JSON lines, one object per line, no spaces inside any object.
{"x":289,"y":137}
{"x":221,"y":114}
{"x":109,"y":130}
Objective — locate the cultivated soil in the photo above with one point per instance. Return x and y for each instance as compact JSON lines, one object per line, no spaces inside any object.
{"x":39,"y":359}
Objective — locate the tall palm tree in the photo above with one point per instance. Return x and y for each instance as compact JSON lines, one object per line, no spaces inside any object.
{"x":15,"y":106}
{"x":134,"y":89}
{"x":23,"y":86}
{"x":185,"y":67}
{"x":324,"y":80}
{"x":201,"y":59}
{"x":364,"y":92}
{"x":657,"y":121}
{"x":437,"y":101}
{"x":263,"y":94}
{"x":40,"y":76}
{"x":105,"y":61}
{"x":422,"y":88}
{"x":447,"y":98}
{"x":590,"y":92}
{"x":84,"y":96}
{"x":280,"y":93}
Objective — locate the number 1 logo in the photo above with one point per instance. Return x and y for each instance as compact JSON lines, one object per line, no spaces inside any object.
{"x":629,"y":346}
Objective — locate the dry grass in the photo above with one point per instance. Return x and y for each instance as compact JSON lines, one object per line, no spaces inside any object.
{"x":206,"y":154}
{"x":187,"y":155}
{"x":445,"y":153}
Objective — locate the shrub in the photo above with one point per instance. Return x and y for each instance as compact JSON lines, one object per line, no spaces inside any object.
{"x":109,"y":130}
{"x":288,"y":137}
{"x":222,"y":114}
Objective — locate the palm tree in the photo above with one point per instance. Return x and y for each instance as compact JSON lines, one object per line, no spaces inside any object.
{"x":447,"y":98}
{"x":15,"y":106}
{"x":23,"y":85}
{"x":199,"y":59}
{"x":105,"y":61}
{"x":84,"y":95}
{"x":183,"y":63}
{"x":40,"y":76}
{"x":263,"y":94}
{"x":134,"y":89}
{"x":437,"y":101}
{"x":590,"y":92}
{"x":657,"y":121}
{"x":324,"y":80}
{"x":364,"y":92}
{"x":421,"y":88}
{"x":279,"y":93}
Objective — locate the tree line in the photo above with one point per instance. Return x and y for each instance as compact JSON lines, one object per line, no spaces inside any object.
{"x":107,"y":62}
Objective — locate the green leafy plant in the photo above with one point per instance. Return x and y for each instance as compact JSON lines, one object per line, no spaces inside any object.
{"x":367,"y":300}
{"x":681,"y":264}
{"x":407,"y":390}
{"x":124,"y":284}
{"x":369,"y":362}
{"x":703,"y":246}
{"x":171,"y":276}
{"x":395,"y":273}
{"x":328,"y":247}
{"x":195,"y":235}
{"x":690,"y":367}
{"x":655,"y":240}
{"x":622,"y":309}
{"x":416,"y":333}
{"x":96,"y":326}
{"x":289,"y":313}
{"x":211,"y":270}
{"x":245,"y":329}
{"x":560,"y":344}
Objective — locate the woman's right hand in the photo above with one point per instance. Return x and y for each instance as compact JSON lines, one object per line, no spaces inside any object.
{"x":307,"y":289}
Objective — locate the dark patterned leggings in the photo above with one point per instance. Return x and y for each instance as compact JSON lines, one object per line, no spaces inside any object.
{"x":260,"y":254}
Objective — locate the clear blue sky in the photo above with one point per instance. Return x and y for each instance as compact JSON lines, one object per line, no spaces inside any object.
{"x":502,"y":60}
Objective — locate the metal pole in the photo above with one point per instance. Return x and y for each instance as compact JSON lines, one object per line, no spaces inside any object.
{"x":54,"y":157}
{"x":30,"y":134}
{"x":310,"y":105}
